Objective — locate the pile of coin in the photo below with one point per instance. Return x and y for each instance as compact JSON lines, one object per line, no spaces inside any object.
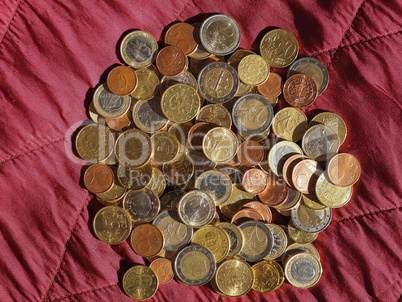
{"x":177,"y":147}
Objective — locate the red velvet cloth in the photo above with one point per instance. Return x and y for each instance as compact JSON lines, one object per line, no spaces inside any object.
{"x":53,"y":54}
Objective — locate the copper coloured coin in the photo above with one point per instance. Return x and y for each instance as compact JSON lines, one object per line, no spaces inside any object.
{"x":246,"y":214}
{"x":275,"y":193}
{"x":118,"y":124}
{"x":255,"y":181}
{"x":272,"y":87}
{"x":171,"y":61}
{"x":98,"y":178}
{"x":261,"y":208}
{"x":288,"y":167}
{"x":344,"y":170}
{"x":300,"y":90}
{"x":122,"y":80}
{"x":196,"y":135}
{"x":305,"y":175}
{"x":250,"y":153}
{"x":163,"y":269}
{"x":181,"y":35}
{"x":147,"y":240}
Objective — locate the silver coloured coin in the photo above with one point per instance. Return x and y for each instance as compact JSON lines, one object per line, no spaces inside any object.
{"x":312,"y":67}
{"x":143,"y":205}
{"x":108,"y":104}
{"x":280,"y":241}
{"x":279,"y":153}
{"x":194,"y":265}
{"x":309,"y":220}
{"x":148,"y":115}
{"x":215,"y":183}
{"x":138,"y":49}
{"x":196,"y":209}
{"x":175,"y":232}
{"x":218,"y":82}
{"x":235,"y":235}
{"x":252,"y":114}
{"x":220,"y":35}
{"x":258,"y":241}
{"x":320,"y":142}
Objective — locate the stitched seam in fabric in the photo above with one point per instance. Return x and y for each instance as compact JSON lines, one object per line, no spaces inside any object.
{"x":33,"y":149}
{"x":314,"y":54}
{"x":84,"y":292}
{"x":184,"y":7}
{"x":346,"y":31}
{"x":367,"y":214}
{"x":11,"y":20}
{"x":86,"y":199}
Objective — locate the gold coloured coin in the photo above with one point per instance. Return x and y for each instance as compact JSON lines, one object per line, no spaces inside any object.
{"x":299,"y":236}
{"x":148,"y":115}
{"x":311,"y":201}
{"x":216,"y":240}
{"x":133,"y":148}
{"x":253,"y":70}
{"x":95,"y":116}
{"x":296,"y":248}
{"x":112,"y":196}
{"x":303,"y":270}
{"x":279,"y":48}
{"x":290,"y":123}
{"x":179,"y":171}
{"x":234,"y":278}
{"x":94,"y":143}
{"x":220,"y":144}
{"x":281,"y":274}
{"x":216,"y":115}
{"x":234,"y":60}
{"x":138,"y":49}
{"x":266,"y":277}
{"x":236,"y":238}
{"x":237,"y":199}
{"x":180,"y":103}
{"x":108,"y":104}
{"x":165,"y":147}
{"x":140,"y":282}
{"x":333,"y":121}
{"x":157,"y":183}
{"x":134,"y":178}
{"x":112,"y":224}
{"x":180,"y":131}
{"x":148,"y":82}
{"x":215,"y":183}
{"x":331,"y":195}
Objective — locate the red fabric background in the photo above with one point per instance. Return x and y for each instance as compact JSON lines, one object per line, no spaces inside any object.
{"x":53,"y":54}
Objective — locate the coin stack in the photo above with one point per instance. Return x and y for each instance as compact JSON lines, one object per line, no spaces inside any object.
{"x":176,"y":147}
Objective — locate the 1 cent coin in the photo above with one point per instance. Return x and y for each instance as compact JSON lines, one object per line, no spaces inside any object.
{"x":181,"y":35}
